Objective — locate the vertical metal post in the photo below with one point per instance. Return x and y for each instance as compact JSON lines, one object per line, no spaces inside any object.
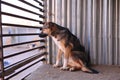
{"x":78,"y":18}
{"x":45,"y":19}
{"x":69,"y":14}
{"x":74,"y":16}
{"x":110,"y":51}
{"x":119,"y":32}
{"x":93,"y":31}
{"x":84,"y":21}
{"x":1,"y":47}
{"x":116,"y":32}
{"x":89,"y":16}
{"x":49,"y":18}
{"x":100,"y":32}
{"x":64,"y":13}
{"x":104,"y":31}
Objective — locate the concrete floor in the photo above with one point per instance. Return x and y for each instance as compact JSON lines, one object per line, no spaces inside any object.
{"x":47,"y":72}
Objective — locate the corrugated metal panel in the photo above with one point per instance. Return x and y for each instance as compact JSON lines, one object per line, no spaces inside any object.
{"x":95,"y":22}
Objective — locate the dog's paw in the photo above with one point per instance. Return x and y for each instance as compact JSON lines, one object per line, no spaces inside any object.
{"x":72,"y":69}
{"x":64,"y":68}
{"x":56,"y":66}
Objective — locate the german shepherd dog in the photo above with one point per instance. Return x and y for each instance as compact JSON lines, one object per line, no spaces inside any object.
{"x":69,"y":46}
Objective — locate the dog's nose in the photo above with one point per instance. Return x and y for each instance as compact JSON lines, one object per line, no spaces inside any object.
{"x":42,"y":34}
{"x":41,"y":28}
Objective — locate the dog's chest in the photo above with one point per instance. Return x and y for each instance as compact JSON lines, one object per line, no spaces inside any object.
{"x":59,"y":44}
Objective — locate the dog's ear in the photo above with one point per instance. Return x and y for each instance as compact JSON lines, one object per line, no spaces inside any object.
{"x":51,"y":24}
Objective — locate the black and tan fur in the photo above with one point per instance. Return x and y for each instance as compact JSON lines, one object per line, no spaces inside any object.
{"x":69,"y":46}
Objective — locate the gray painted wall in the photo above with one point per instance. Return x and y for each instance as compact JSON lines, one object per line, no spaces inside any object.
{"x":95,"y":22}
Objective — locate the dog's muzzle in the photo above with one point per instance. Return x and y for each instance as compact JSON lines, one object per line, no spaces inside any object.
{"x":43,"y":34}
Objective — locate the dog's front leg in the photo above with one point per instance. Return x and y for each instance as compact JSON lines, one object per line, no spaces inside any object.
{"x":66,"y":57}
{"x":58,"y":57}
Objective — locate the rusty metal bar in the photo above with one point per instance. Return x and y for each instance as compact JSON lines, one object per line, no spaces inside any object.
{"x":19,"y":64}
{"x":20,"y":25}
{"x":50,"y":47}
{"x":5,"y":46}
{"x":23,"y":69}
{"x":8,"y":71}
{"x":1,"y":45}
{"x":39,"y":3}
{"x":27,"y":34}
{"x":23,"y":9}
{"x":15,"y":54}
{"x":32,"y":5}
{"x":18,"y":16}
{"x":16,"y":63}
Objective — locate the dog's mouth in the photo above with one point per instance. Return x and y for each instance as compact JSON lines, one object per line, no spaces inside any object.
{"x":42,"y":34}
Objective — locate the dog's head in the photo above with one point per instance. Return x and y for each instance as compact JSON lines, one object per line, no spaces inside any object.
{"x":48,"y":28}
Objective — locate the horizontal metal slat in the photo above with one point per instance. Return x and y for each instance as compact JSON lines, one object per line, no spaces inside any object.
{"x":22,"y":63}
{"x":27,"y":34}
{"x":31,"y":5}
{"x":23,"y":69}
{"x":19,"y":25}
{"x":22,"y":9}
{"x":39,"y":2}
{"x":15,"y":54}
{"x":18,"y":16}
{"x":5,"y":46}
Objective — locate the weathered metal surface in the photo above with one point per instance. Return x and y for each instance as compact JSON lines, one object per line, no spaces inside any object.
{"x":95,"y":22}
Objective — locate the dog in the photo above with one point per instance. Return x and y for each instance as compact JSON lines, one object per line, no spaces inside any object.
{"x":69,"y":46}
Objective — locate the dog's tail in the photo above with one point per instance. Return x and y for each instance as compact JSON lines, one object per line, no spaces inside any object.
{"x":89,"y":70}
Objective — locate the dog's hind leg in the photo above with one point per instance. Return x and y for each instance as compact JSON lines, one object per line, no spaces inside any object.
{"x":58,"y":57}
{"x":84,"y":68}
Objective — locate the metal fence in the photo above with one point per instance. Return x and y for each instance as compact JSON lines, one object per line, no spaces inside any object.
{"x":95,"y":22}
{"x":21,"y":14}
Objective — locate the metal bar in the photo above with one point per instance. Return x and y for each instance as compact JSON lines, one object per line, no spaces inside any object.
{"x":69,"y":14}
{"x":15,"y":54}
{"x":22,"y":70}
{"x":27,"y":34}
{"x":93,"y":32}
{"x":39,"y":3}
{"x":116,"y":32}
{"x":19,"y":25}
{"x":1,"y":45}
{"x":22,"y":9}
{"x":119,"y":33}
{"x":31,"y":5}
{"x":100,"y":32}
{"x":84,"y":21}
{"x":88,"y":35}
{"x":22,"y":63}
{"x":18,"y":16}
{"x":110,"y":51}
{"x":50,"y":47}
{"x":45,"y":20}
{"x":15,"y":63}
{"x":5,"y":46}
{"x":78,"y":17}
{"x":73,"y":16}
